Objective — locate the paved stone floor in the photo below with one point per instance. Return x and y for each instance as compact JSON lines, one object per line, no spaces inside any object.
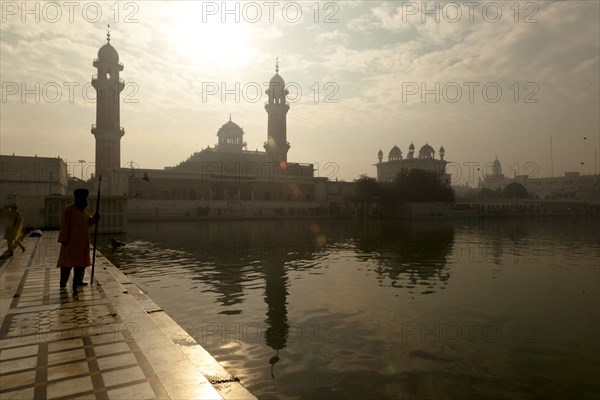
{"x":104,"y":341}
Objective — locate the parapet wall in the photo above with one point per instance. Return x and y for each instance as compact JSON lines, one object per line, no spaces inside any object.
{"x":139,"y":209}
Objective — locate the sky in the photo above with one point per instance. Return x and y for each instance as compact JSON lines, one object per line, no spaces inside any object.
{"x":513,"y":80}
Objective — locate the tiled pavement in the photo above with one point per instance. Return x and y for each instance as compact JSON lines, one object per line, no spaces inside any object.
{"x":105,"y":341}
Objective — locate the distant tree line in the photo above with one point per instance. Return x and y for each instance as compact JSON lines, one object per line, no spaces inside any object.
{"x":513,"y":190}
{"x":415,"y":186}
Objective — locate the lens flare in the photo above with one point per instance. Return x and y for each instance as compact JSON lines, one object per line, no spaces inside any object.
{"x":315,"y":228}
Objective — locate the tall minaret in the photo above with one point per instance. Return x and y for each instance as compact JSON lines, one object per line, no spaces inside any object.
{"x":277,"y":145}
{"x":107,"y":129}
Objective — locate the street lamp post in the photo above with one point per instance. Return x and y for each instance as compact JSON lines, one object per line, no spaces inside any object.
{"x":82,"y":162}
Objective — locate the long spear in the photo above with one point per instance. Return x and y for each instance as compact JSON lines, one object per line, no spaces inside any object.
{"x":96,"y":229}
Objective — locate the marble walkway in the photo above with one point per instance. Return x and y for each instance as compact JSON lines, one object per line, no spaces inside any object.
{"x":104,"y":341}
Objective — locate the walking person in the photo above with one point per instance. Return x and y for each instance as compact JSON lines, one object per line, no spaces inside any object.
{"x":14,"y":226}
{"x":74,"y":238}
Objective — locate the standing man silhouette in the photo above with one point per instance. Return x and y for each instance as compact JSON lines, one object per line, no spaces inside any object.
{"x":74,"y":237}
{"x":14,"y":225}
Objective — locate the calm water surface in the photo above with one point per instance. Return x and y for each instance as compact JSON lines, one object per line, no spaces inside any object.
{"x":350,"y":309}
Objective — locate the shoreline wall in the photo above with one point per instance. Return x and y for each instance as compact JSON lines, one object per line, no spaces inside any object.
{"x":150,"y":209}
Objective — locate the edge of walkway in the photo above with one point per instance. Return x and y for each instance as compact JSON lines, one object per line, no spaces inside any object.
{"x":228,"y":386}
{"x":183,"y":367}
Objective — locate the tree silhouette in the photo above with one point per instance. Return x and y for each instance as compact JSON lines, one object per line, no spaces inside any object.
{"x":421,"y":186}
{"x":515,"y":190}
{"x":486,"y":193}
{"x":367,"y":189}
{"x":414,"y":186}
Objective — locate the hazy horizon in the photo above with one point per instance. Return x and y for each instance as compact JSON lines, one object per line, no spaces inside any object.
{"x":360,"y":67}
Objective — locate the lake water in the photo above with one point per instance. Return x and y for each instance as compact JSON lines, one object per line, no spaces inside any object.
{"x":374,"y":309}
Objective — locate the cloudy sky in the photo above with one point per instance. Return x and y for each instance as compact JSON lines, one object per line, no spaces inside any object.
{"x":483,"y":79}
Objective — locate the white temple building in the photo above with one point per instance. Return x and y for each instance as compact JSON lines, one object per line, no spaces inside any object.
{"x":396,"y":164}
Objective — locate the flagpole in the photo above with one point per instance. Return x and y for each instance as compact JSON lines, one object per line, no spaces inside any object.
{"x":96,"y":229}
{"x":551,"y":159}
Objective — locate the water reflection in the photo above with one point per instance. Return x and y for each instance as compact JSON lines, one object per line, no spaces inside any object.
{"x":276,"y":283}
{"x":227,"y":258}
{"x":411,"y":255}
{"x":363,"y":284}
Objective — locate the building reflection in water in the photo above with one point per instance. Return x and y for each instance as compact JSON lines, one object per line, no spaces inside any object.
{"x":280,"y":281}
{"x":227,"y":258}
{"x":276,"y":283}
{"x":410,"y":254}
{"x":284,"y":247}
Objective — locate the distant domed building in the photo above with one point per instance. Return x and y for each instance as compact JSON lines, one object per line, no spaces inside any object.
{"x":570,"y":186}
{"x":395,"y":154}
{"x":493,"y":177}
{"x":227,"y":172}
{"x":388,"y":170}
{"x":231,"y":137}
{"x":426,"y":152}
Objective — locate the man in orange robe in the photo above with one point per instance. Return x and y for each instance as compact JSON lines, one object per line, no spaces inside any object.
{"x":74,"y":237}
